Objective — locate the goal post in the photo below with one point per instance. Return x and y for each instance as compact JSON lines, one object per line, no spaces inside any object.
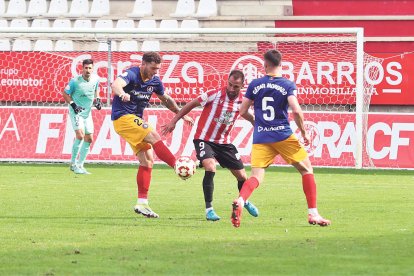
{"x":327,"y":65}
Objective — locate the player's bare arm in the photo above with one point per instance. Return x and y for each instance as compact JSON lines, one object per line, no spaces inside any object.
{"x":172,"y":105}
{"x":167,"y":128}
{"x":244,"y":110}
{"x":118,"y":89}
{"x":298,"y":117}
{"x":67,"y":97}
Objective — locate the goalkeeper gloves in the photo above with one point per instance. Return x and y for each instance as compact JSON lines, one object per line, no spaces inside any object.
{"x":98,"y":103}
{"x":76,"y":108}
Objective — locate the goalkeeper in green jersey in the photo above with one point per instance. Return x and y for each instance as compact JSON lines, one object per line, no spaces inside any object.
{"x":80,"y":94}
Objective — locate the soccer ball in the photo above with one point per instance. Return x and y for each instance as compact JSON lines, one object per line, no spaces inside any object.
{"x":185,"y":167}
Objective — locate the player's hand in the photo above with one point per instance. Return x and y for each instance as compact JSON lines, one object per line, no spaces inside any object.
{"x":188,"y":120}
{"x":76,"y":108}
{"x":168,"y":128}
{"x":125,"y":97}
{"x":98,"y":103}
{"x":306,"y":139}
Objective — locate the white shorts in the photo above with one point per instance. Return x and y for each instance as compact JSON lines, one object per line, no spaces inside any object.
{"x":78,"y":122}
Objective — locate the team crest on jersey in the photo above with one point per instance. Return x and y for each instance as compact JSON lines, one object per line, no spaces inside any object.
{"x":251,"y":66}
{"x":150,"y":89}
{"x":312,"y":129}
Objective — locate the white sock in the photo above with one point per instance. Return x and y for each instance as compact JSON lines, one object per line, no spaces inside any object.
{"x":313,"y":211}
{"x":241,"y":200}
{"x":208,"y":209}
{"x":142,"y":201}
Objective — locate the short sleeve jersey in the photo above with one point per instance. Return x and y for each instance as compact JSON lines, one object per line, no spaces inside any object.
{"x":218,"y":116}
{"x":82,"y":93}
{"x":270,"y":96}
{"x":139,"y":91}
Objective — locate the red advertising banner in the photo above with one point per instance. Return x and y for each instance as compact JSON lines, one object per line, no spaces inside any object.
{"x":39,"y":134}
{"x":322,"y":76}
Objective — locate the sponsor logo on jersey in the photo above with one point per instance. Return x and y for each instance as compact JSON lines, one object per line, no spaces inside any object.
{"x":272,"y":128}
{"x":150,"y":89}
{"x":226,"y":119}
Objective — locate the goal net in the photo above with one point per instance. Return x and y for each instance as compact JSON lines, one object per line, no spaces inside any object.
{"x":325,"y":64}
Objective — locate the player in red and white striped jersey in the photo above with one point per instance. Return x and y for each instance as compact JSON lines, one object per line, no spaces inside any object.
{"x":212,"y":137}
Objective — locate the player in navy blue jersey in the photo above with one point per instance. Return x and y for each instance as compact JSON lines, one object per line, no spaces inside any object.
{"x":271,"y":96}
{"x":133,"y":90}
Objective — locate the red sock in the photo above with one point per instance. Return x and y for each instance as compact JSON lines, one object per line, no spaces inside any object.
{"x":309,"y":188}
{"x":143,"y":181}
{"x":164,"y":153}
{"x":248,"y":187}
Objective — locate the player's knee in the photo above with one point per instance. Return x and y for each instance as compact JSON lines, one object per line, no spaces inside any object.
{"x":88,"y":139}
{"x":146,"y":162}
{"x":80,"y":136}
{"x":152,"y":137}
{"x":209,"y":164}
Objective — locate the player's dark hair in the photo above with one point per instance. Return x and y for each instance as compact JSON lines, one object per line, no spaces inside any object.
{"x":149,"y":57}
{"x":87,"y":62}
{"x":237,"y":74}
{"x":274,"y":57}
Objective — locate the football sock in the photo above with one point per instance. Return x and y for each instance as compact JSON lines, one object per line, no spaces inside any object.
{"x":142,"y":201}
{"x":84,"y":150}
{"x":313,"y":211}
{"x":248,"y":188}
{"x":309,"y":188}
{"x":75,"y":150}
{"x":208,"y":209}
{"x":208,"y":187}
{"x":143,"y":181}
{"x":240,"y":184}
{"x":164,"y":153}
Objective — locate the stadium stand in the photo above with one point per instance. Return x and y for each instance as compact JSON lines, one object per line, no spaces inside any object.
{"x":82,"y":23}
{"x":40,"y":23}
{"x":19,"y":23}
{"x":16,"y":8}
{"x":43,"y":45}
{"x":128,"y":46}
{"x":190,"y":24}
{"x":2,"y":7}
{"x":125,"y":24}
{"x":207,"y":8}
{"x":58,"y":8}
{"x":184,"y":8}
{"x":104,"y":23}
{"x":79,"y":8}
{"x":62,"y":23}
{"x":37,"y":8}
{"x":103,"y":46}
{"x":99,"y":8}
{"x":150,"y":45}
{"x":22,"y":45}
{"x":141,"y":8}
{"x":146,"y":23}
{"x":3,"y":23}
{"x":64,"y":45}
{"x":5,"y":45}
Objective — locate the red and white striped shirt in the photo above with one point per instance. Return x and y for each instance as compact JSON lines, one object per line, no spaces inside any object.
{"x":218,"y":116}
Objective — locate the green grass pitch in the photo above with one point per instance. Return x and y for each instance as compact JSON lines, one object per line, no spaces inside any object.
{"x":53,"y":222}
